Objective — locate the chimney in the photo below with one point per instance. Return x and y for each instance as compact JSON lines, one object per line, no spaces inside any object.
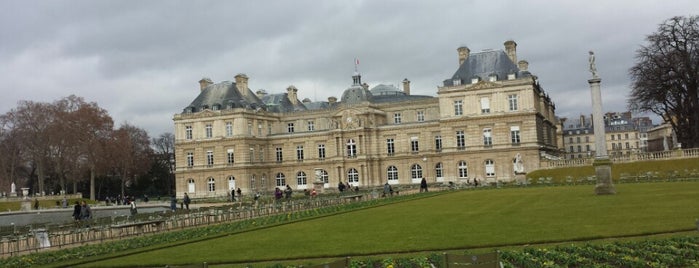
{"x":261,"y":93}
{"x":332,"y":100}
{"x":511,"y":50}
{"x":204,"y":82}
{"x":365,"y":86}
{"x":241,"y":82}
{"x":406,"y":86}
{"x":291,"y":94}
{"x":463,"y":54}
{"x":523,"y":65}
{"x":582,"y":121}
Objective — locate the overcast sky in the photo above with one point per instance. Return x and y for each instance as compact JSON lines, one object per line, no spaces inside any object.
{"x":141,"y":60}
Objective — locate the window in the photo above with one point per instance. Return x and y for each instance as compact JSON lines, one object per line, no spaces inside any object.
{"x":618,"y":136}
{"x":587,"y":139}
{"x":457,"y":81}
{"x":190,"y":159}
{"x":211,"y":183}
{"x":352,"y":176}
{"x":492,"y":78}
{"x":438,"y":143}
{"x":579,"y":148}
{"x":416,"y":171}
{"x":324,"y":176}
{"x":439,"y":170}
{"x":209,"y":131}
{"x":269,"y":129}
{"x":301,"y":178}
{"x":252,"y":154}
{"x":299,"y":152}
{"x":190,"y":185}
{"x":485,"y":105}
{"x":396,"y":118}
{"x":414,"y":145}
{"x":462,"y":170}
{"x":390,"y":147}
{"x":351,"y":148}
{"x":458,"y":107}
{"x":612,"y":136}
{"x":321,"y":151}
{"x":487,"y":138}
{"x":259,"y":130}
{"x":261,"y":149}
{"x":627,"y":145}
{"x":510,"y":76}
{"x":209,"y":158}
{"x":290,"y":127}
{"x":250,"y":129}
{"x":514,"y":134}
{"x":392,"y":173}
{"x":311,"y":125}
{"x":280,"y":158}
{"x":512,"y":99}
{"x":577,"y":139}
{"x":626,"y":136}
{"x":570,"y":140}
{"x":571,"y":149}
{"x":475,"y":80}
{"x":230,"y":156}
{"x":252,"y":181}
{"x":281,"y":180}
{"x":188,"y":132}
{"x":229,"y":129}
{"x":460,"y":140}
{"x":489,"y":168}
{"x":420,"y":116}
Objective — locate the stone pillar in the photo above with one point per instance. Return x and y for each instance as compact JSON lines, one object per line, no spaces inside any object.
{"x":602,"y":164}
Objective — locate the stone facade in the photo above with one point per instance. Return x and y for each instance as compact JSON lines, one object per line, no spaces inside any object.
{"x":472,"y":129}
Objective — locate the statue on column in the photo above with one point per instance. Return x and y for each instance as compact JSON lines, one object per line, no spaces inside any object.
{"x":13,"y":188}
{"x":593,"y":68}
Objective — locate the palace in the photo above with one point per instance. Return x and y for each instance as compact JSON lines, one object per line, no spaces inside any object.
{"x":491,"y":109}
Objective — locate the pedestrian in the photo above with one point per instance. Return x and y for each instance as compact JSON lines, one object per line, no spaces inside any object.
{"x":313,"y":193}
{"x":233,"y":195}
{"x":76,"y":211}
{"x":85,"y":211}
{"x":287,"y":192}
{"x":36,"y":204}
{"x":133,"y":209}
{"x":277,"y":193}
{"x":173,"y":202}
{"x":240,"y":194}
{"x":386,"y":189}
{"x":340,"y":186}
{"x":64,"y":202}
{"x":423,"y":185}
{"x":186,"y":201}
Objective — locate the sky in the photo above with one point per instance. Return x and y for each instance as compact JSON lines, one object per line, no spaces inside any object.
{"x":142,"y":60}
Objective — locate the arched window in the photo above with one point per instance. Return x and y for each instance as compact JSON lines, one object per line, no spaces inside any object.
{"x":211,"y":183}
{"x":439,"y":170}
{"x":416,"y":171}
{"x":351,"y":148}
{"x":252,"y":182}
{"x":489,"y":168}
{"x":281,"y":180}
{"x":231,"y":183}
{"x":324,"y":176}
{"x":463,"y":169}
{"x":190,"y":185}
{"x":392,"y":173}
{"x":352,"y":176}
{"x":301,"y":178}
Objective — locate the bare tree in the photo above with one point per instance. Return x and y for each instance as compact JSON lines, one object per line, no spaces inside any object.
{"x":130,"y":154}
{"x":165,"y":156}
{"x":10,"y":154}
{"x":665,"y":79}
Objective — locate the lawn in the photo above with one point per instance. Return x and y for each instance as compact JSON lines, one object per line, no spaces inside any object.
{"x":455,"y":220}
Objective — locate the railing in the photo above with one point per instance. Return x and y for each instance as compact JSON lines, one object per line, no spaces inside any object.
{"x":649,"y":156}
{"x":41,"y":237}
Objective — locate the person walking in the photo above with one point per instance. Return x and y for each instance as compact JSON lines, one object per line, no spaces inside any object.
{"x":186,"y":201}
{"x":85,"y":211}
{"x":173,"y":202}
{"x":133,"y":208}
{"x":76,"y":211}
{"x":386,"y":189}
{"x":423,"y":185}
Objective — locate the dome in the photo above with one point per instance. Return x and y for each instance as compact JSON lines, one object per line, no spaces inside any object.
{"x":355,"y":95}
{"x":382,"y":89}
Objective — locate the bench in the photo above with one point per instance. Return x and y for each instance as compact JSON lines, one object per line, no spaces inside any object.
{"x":137,"y":227}
{"x":356,"y":197}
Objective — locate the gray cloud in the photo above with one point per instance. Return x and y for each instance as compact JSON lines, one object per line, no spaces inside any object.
{"x":141,"y":60}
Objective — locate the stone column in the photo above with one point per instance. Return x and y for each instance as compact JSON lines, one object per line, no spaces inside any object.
{"x":602,"y":164}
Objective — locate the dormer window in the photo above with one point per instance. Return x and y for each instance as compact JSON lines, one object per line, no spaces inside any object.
{"x":205,"y":107}
{"x":475,"y":80}
{"x":493,"y":78}
{"x":216,"y":107}
{"x":457,"y":81}
{"x":511,"y":76}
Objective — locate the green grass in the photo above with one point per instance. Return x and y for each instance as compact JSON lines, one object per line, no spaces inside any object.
{"x":680,"y":167}
{"x":456,"y":220}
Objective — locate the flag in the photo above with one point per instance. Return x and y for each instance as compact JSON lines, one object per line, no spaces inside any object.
{"x":356,"y":61}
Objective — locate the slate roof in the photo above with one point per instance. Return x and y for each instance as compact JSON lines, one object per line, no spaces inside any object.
{"x":483,"y":64}
{"x":226,"y":96}
{"x":280,"y":103}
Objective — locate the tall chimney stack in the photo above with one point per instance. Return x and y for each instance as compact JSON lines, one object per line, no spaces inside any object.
{"x":291,"y":94}
{"x":511,"y":50}
{"x":241,"y":82}
{"x":406,"y":86}
{"x":523,"y":65}
{"x":463,"y":54}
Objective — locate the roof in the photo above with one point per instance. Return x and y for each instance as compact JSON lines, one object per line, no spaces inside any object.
{"x":484,"y":64}
{"x":280,"y":103}
{"x":225,"y":95}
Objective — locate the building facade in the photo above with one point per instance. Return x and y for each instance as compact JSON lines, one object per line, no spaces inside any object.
{"x":487,"y":112}
{"x":624,"y":134}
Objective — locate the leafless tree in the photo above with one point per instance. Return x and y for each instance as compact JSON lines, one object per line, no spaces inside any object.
{"x":130,"y":154}
{"x":165,"y":155}
{"x":665,"y":79}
